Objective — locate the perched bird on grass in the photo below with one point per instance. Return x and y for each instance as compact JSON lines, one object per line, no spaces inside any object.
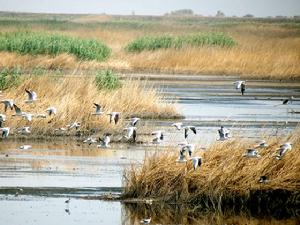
{"x":283,"y":149}
{"x":251,"y":153}
{"x":8,"y":103}
{"x":32,"y":96}
{"x":114,"y":116}
{"x":98,"y":110}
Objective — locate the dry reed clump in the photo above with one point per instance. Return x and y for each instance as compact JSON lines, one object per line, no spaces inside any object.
{"x":74,"y":98}
{"x":225,"y":174}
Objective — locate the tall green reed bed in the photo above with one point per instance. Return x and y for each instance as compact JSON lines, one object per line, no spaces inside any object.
{"x":35,"y":43}
{"x":166,"y":41}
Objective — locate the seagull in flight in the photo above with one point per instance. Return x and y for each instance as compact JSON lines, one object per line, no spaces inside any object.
{"x":251,"y":153}
{"x":32,"y":96}
{"x":2,"y":119}
{"x":104,"y":142}
{"x":75,"y":125}
{"x":25,"y":147}
{"x":189,"y":147}
{"x":134,"y":121}
{"x":18,"y":111}
{"x":131,"y":132}
{"x":186,"y":130}
{"x":24,"y":130}
{"x":8,"y":103}
{"x":114,"y":116}
{"x":287,"y":100}
{"x":51,"y":110}
{"x":283,"y":149}
{"x":177,"y":125}
{"x":197,"y":161}
{"x":5,"y":131}
{"x":145,"y":221}
{"x":262,"y":144}
{"x":158,"y":136}
{"x":98,"y":109}
{"x":238,"y":83}
{"x":223,"y":133}
{"x":90,"y":140}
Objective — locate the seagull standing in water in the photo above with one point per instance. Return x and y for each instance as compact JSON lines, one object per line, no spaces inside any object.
{"x":104,"y":142}
{"x":283,"y":149}
{"x":114,"y":116}
{"x":8,"y":103}
{"x":32,"y":96}
{"x":98,"y":110}
{"x":251,"y":153}
{"x":5,"y":131}
{"x":158,"y":136}
{"x":197,"y":161}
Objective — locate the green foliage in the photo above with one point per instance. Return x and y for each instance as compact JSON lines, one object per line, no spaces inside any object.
{"x":9,"y":78}
{"x":53,"y":44}
{"x":107,"y":79}
{"x":164,"y":42}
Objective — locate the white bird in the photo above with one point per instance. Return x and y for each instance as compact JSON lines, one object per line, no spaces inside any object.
{"x":75,"y":125}
{"x":263,"y":179}
{"x":98,"y":109}
{"x":24,"y":130}
{"x":286,"y":101}
{"x":40,"y":115}
{"x":8,"y":103}
{"x":238,"y":83}
{"x":177,"y":125}
{"x":181,"y":158}
{"x":262,"y":144}
{"x":283,"y":149}
{"x":32,"y":96}
{"x":131,"y":132}
{"x":251,"y":153}
{"x":145,"y":221}
{"x":51,"y":110}
{"x":114,"y":116}
{"x":223,"y":133}
{"x":186,"y":130}
{"x":18,"y":111}
{"x":2,"y":117}
{"x":197,"y":161}
{"x":27,"y":116}
{"x":25,"y":147}
{"x":159,"y":136}
{"x":104,"y":141}
{"x":62,"y":129}
{"x":90,"y":140}
{"x":5,"y":131}
{"x":189,"y":147}
{"x":134,"y":121}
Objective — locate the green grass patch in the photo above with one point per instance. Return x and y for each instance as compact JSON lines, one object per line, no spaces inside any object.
{"x":151,"y":43}
{"x":107,"y":79}
{"x":9,"y":78}
{"x":53,"y":44}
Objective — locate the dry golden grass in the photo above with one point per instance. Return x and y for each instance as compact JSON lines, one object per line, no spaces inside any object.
{"x":74,"y":98}
{"x":224,"y":173}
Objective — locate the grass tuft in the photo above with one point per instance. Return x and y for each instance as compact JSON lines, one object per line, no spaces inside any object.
{"x":9,"y":78}
{"x":107,"y":79}
{"x":53,"y":44}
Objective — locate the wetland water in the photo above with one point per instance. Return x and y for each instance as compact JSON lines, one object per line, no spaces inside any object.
{"x":35,"y":183}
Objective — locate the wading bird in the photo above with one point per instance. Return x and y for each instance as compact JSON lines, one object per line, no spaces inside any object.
{"x":32,"y":96}
{"x":8,"y":103}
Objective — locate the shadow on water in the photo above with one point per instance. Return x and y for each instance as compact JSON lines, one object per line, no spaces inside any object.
{"x":181,"y":214}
